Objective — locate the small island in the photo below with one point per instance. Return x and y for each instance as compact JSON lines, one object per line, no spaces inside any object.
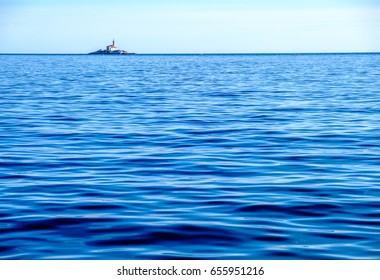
{"x":111,"y":49}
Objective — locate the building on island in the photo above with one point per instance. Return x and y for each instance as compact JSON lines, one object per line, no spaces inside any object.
{"x":111,"y":49}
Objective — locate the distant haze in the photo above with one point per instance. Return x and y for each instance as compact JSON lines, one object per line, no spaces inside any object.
{"x":200,"y":26}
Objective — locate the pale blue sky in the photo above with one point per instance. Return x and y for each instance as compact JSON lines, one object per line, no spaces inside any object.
{"x":198,"y":26}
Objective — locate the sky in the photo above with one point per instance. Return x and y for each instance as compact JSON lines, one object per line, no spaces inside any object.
{"x":197,"y":26}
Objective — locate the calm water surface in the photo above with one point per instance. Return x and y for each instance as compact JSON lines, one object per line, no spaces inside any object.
{"x":190,"y":157}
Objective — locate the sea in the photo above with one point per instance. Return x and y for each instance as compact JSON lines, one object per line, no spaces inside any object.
{"x":158,"y":157}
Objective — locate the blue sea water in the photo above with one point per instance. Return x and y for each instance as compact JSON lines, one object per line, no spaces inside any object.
{"x":190,"y":156}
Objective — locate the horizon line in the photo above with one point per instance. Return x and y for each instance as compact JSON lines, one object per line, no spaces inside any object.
{"x":211,"y":53}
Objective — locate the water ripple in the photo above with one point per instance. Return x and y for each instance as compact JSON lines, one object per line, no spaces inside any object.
{"x":190,"y":157}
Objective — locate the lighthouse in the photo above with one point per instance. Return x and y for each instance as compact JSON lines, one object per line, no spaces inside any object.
{"x":111,"y":48}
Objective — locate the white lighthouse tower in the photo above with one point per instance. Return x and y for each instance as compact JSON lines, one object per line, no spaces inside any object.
{"x":111,"y":48}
